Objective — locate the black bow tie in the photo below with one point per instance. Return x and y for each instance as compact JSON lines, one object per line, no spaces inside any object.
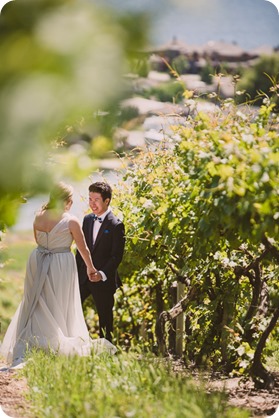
{"x":96,"y":218}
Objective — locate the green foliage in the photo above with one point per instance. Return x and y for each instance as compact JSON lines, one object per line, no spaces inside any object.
{"x":128,"y":113}
{"x":180,"y":64}
{"x":100,"y":146}
{"x":207,"y":73}
{"x":236,"y":170}
{"x":260,"y":80}
{"x":273,"y":352}
{"x":13,"y":256}
{"x":205,"y":210}
{"x":171,"y":91}
{"x":140,"y":66}
{"x":123,"y":385}
{"x":73,"y":162}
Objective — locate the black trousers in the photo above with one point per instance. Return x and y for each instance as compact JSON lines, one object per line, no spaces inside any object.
{"x":104,"y":302}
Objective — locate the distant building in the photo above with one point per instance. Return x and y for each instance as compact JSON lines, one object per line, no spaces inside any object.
{"x":214,"y":52}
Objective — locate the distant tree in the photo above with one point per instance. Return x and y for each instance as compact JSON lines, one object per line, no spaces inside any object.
{"x":170,"y":91}
{"x":180,"y":64}
{"x":260,"y":80}
{"x":140,"y":66}
{"x":207,"y":73}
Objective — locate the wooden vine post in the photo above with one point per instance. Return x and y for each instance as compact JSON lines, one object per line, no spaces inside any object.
{"x":179,"y":332}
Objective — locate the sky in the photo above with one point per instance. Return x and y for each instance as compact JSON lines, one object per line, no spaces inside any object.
{"x":249,"y":23}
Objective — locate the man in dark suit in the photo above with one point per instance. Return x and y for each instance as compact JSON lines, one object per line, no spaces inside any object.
{"x":105,"y":237}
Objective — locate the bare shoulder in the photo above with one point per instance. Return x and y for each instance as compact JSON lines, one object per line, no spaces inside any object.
{"x":74,"y":222}
{"x":39,"y":213}
{"x":39,"y":217}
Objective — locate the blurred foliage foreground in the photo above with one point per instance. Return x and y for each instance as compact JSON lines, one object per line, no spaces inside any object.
{"x":62,"y":61}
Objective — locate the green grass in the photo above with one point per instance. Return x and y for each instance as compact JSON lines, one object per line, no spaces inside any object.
{"x":272,"y":361}
{"x":124,"y":385}
{"x":14,"y":252}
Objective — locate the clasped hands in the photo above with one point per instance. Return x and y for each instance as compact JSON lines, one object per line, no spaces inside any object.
{"x":94,"y":275}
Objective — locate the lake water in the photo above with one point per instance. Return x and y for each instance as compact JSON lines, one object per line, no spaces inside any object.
{"x":80,"y":201}
{"x":249,"y":23}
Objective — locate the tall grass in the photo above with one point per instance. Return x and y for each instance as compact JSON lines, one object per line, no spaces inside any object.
{"x":125,"y":385}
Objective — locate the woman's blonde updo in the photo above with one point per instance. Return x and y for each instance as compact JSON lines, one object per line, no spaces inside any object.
{"x":60,"y":195}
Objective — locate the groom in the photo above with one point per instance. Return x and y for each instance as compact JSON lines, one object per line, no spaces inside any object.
{"x":105,"y":238}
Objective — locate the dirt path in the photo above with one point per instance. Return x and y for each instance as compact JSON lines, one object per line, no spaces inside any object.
{"x":261,"y":403}
{"x":12,"y":401}
{"x":241,"y":394}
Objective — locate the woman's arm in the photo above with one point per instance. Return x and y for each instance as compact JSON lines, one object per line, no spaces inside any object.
{"x":78,"y":236}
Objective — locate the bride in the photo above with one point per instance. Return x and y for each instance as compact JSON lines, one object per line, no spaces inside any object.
{"x":50,"y":314}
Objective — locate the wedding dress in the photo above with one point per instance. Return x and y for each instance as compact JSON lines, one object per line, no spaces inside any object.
{"x":50,"y":314}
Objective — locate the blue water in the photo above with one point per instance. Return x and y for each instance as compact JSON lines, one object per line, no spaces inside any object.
{"x":249,"y":23}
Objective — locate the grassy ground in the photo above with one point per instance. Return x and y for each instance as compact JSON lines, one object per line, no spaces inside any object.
{"x":124,"y":385}
{"x":14,"y":251}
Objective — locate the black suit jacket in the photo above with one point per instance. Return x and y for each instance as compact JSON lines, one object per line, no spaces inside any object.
{"x":106,"y":253}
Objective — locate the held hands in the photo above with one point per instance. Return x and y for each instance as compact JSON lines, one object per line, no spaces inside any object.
{"x":94,"y":275}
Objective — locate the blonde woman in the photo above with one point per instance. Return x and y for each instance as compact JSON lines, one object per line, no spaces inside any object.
{"x":50,"y":314}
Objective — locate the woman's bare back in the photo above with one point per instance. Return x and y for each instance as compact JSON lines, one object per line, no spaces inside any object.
{"x":46,"y":220}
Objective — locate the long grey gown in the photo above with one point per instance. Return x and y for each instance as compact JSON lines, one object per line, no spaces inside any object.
{"x":50,"y":314}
